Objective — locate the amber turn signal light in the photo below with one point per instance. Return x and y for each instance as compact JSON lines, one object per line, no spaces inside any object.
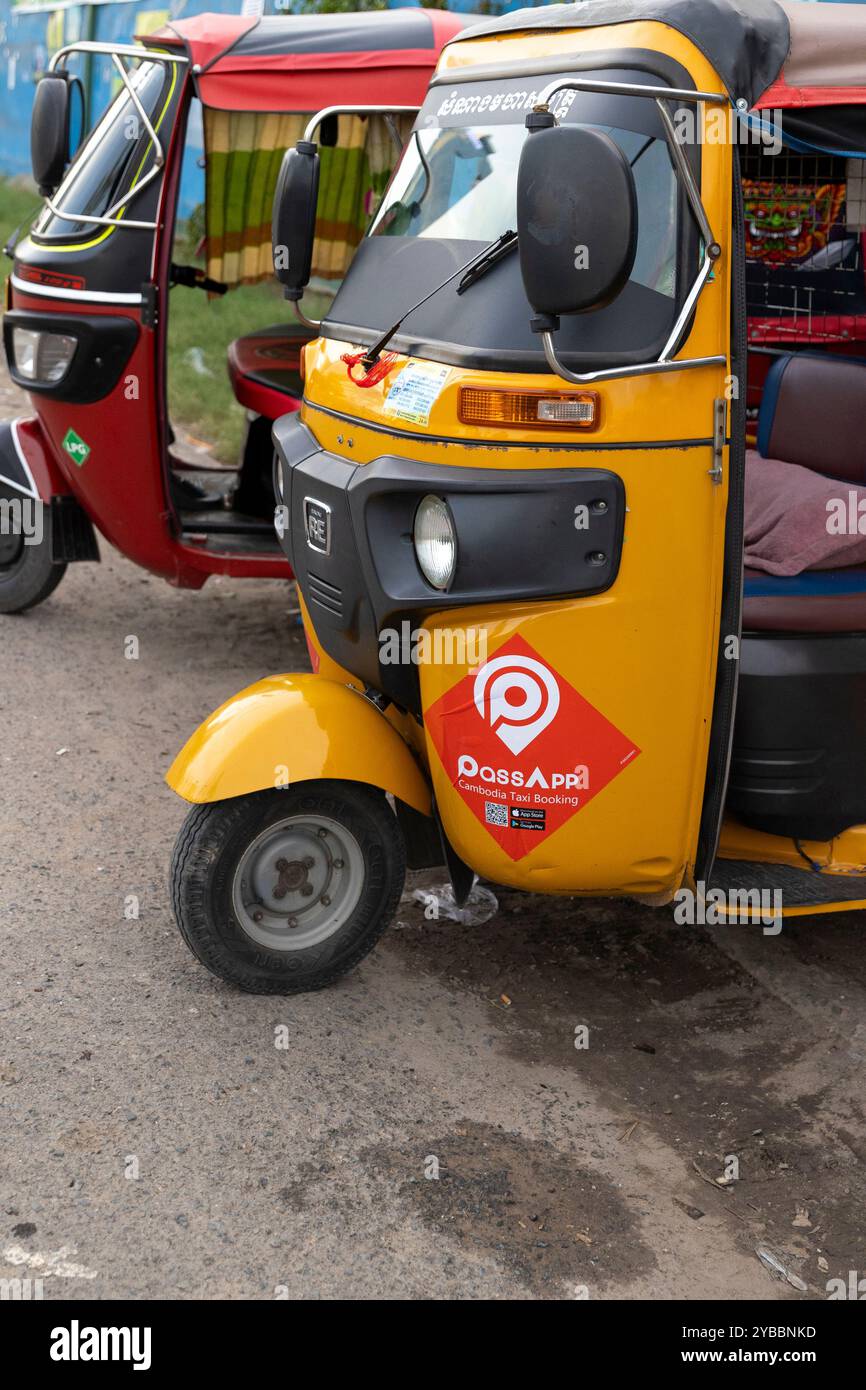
{"x":549,"y":410}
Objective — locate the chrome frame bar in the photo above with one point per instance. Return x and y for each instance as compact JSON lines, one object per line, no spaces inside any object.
{"x":533,"y":67}
{"x":386,"y":111}
{"x":693,"y":193}
{"x":117,"y":52}
{"x":712,"y":250}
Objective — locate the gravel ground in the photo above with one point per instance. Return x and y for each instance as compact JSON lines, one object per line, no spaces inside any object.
{"x":156,"y":1142}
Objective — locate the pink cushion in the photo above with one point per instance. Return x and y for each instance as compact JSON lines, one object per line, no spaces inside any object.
{"x":792,"y":519}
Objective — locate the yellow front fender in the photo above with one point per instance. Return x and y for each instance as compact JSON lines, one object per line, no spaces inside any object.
{"x":289,"y":729}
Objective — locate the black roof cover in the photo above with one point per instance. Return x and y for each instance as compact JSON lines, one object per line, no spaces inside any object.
{"x":340,"y":33}
{"x":746,"y":41}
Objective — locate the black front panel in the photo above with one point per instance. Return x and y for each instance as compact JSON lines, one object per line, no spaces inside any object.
{"x":521,"y":535}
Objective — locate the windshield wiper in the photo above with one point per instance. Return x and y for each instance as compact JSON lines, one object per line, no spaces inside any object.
{"x":471,"y":272}
{"x":489,"y":258}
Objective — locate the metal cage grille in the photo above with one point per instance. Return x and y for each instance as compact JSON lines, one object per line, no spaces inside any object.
{"x":805,"y":218}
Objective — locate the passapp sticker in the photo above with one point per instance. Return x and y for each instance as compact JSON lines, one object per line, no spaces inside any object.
{"x":415,"y":392}
{"x":523,"y":748}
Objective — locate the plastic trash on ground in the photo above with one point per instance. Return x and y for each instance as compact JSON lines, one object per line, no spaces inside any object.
{"x":437,"y":903}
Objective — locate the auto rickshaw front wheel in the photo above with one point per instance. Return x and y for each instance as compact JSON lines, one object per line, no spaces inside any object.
{"x":284,"y":891}
{"x":27,"y":572}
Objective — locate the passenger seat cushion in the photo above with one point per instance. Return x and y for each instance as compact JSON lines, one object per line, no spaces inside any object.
{"x":792,"y":519}
{"x":813,"y":413}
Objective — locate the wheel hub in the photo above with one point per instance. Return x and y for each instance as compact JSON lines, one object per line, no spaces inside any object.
{"x":298,"y":882}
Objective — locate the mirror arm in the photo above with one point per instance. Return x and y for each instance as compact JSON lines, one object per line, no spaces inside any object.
{"x":683,"y":364}
{"x":308,"y":323}
{"x":665,"y":363}
{"x":385,"y":111}
{"x":388,"y":113}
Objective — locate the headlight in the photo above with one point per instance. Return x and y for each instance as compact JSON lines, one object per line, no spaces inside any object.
{"x":435,"y":541}
{"x":42,"y":357}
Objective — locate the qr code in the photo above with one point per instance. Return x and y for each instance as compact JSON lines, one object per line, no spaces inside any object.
{"x":494,"y":814}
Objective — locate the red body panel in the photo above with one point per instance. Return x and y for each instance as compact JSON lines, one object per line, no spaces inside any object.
{"x":121,"y":478}
{"x":47,"y":476}
{"x":249,"y":357}
{"x":121,"y":485}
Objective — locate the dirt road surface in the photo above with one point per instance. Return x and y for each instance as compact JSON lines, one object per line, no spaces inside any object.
{"x":156,"y":1142}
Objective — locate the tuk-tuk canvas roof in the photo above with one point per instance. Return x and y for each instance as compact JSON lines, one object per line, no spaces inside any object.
{"x":745,"y":40}
{"x":259,"y":79}
{"x":301,"y":63}
{"x":788,"y":54}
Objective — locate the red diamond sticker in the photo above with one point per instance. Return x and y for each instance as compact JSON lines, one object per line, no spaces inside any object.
{"x":523,"y":748}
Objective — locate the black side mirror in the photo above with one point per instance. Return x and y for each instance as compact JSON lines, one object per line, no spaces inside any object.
{"x":293,"y":227}
{"x":576,"y":220}
{"x":49,"y":132}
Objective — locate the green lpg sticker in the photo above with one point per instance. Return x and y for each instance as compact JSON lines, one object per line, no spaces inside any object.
{"x":76,"y":448}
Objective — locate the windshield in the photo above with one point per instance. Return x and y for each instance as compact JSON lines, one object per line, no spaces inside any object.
{"x":455,"y":191}
{"x":462,"y":185}
{"x":114,"y":157}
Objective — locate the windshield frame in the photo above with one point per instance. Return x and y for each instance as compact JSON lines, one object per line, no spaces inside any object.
{"x":660,"y":69}
{"x":90,"y":145}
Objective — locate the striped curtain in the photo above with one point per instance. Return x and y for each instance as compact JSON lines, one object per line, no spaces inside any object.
{"x":244,"y":151}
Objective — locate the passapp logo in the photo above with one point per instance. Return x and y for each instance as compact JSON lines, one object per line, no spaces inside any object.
{"x":518,"y":696}
{"x":524,"y":749}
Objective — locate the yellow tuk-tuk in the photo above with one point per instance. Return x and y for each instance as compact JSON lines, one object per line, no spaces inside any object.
{"x":623,"y":244}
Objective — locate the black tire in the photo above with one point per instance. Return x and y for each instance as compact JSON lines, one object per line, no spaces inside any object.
{"x":212,"y":845}
{"x":27,"y":573}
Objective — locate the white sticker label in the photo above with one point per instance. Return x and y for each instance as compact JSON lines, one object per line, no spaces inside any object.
{"x":415,"y":392}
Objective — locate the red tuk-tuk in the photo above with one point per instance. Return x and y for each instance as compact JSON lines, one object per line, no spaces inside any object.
{"x":87,"y":302}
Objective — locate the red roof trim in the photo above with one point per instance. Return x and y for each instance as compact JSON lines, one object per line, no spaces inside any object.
{"x":308,"y":90}
{"x":781,"y":95}
{"x":324,"y":62}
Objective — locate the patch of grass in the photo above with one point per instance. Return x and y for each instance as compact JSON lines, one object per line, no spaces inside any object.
{"x":199,"y":332}
{"x":19,"y":203}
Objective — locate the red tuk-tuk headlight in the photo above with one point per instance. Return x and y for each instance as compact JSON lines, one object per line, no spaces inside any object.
{"x":42,"y":358}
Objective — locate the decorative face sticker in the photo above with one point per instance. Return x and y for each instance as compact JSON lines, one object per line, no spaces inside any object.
{"x":523,"y":748}
{"x":787,"y":222}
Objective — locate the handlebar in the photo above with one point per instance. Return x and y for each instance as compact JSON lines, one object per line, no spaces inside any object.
{"x":195,"y":279}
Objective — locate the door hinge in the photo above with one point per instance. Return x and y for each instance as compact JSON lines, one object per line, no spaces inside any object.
{"x":148,"y":306}
{"x":720,"y":419}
